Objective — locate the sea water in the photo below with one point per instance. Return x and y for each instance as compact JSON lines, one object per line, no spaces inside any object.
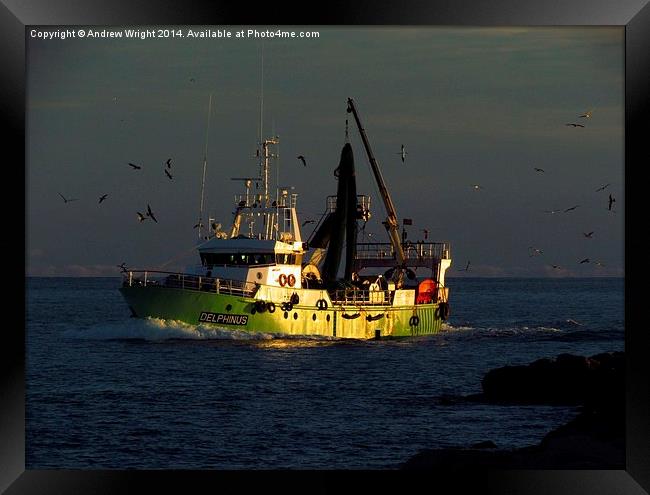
{"x":105,"y":391}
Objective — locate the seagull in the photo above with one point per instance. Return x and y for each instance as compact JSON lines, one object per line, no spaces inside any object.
{"x":572,"y":208}
{"x":586,"y":115}
{"x":150,"y":214}
{"x":588,"y":235}
{"x":477,"y":187}
{"x":600,"y":263}
{"x":168,"y":174}
{"x":308,"y":221}
{"x":576,"y":125}
{"x":102,"y":198}
{"x":403,"y":153}
{"x":539,"y":170}
{"x":169,"y":163}
{"x":302,"y":159}
{"x":557,"y":267}
{"x":192,"y":79}
{"x":552,"y":211}
{"x":602,"y":188}
{"x":141,"y":217}
{"x":466,"y":269}
{"x":611,"y":201}
{"x":586,"y":260}
{"x":135,"y":167}
{"x":122,"y":267}
{"x":67,"y":200}
{"x":535,"y":251}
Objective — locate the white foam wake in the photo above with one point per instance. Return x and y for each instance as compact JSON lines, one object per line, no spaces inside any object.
{"x":159,"y":329}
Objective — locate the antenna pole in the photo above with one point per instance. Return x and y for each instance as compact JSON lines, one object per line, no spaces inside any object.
{"x":205,"y":164}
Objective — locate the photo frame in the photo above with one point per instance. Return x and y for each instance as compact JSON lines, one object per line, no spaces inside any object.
{"x":634,"y":15}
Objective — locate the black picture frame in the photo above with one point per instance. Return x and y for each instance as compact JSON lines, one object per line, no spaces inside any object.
{"x":634,"y":15}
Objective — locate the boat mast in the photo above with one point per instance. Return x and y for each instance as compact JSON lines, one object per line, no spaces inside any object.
{"x":391,"y":222}
{"x":205,"y":164}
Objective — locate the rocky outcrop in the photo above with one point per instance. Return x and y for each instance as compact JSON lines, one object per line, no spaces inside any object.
{"x":595,"y":439}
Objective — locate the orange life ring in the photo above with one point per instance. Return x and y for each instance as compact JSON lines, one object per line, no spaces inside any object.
{"x":291,"y":280}
{"x":283,"y":280}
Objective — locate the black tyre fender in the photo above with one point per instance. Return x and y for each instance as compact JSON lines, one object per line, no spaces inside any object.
{"x":260,"y":306}
{"x":444,"y":310}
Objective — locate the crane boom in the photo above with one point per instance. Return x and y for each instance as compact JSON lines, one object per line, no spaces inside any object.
{"x":392,"y":224}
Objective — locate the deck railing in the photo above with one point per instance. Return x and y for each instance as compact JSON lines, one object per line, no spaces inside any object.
{"x":412,"y":250}
{"x":360,"y":296}
{"x":174,"y":280}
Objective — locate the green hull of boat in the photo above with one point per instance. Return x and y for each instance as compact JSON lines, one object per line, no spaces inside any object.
{"x":238,"y":313}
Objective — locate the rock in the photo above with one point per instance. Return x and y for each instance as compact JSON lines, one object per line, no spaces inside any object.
{"x":568,"y":379}
{"x":595,"y":439}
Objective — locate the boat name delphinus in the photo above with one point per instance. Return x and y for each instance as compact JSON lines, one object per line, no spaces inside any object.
{"x":226,"y":319}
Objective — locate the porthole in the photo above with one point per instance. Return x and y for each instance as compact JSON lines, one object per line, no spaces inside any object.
{"x":229,"y":307}
{"x":328,"y":317}
{"x":295,"y":316}
{"x":313,"y":317}
{"x":286,"y":315}
{"x":259,"y":275}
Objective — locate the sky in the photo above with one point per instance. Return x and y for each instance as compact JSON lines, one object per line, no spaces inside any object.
{"x":470,"y":105}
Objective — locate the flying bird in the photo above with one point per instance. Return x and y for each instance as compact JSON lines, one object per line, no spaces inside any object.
{"x":169,"y":163}
{"x":168,"y":174}
{"x":600,"y":263}
{"x":67,"y":200}
{"x":403,"y":153}
{"x":552,"y":211}
{"x":586,"y":260}
{"x":302,"y":159}
{"x":466,"y":269}
{"x":539,"y":170}
{"x":102,"y":198}
{"x":557,"y":267}
{"x":122,"y":267}
{"x":588,"y":235}
{"x":586,"y":115}
{"x":572,"y":208}
{"x":192,"y":80}
{"x":477,"y":187}
{"x":534,"y":251}
{"x":602,"y":188}
{"x":141,"y":217}
{"x":135,"y":167}
{"x":576,"y":125}
{"x":611,"y":201}
{"x":308,"y":221}
{"x":150,"y":214}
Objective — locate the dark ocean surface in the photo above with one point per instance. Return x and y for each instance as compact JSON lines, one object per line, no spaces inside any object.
{"x":104,"y":390}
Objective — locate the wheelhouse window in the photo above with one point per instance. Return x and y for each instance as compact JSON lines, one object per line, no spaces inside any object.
{"x":237,"y":259}
{"x":285,"y":259}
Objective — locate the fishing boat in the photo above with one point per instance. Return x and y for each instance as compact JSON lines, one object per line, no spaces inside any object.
{"x":262,"y":276}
